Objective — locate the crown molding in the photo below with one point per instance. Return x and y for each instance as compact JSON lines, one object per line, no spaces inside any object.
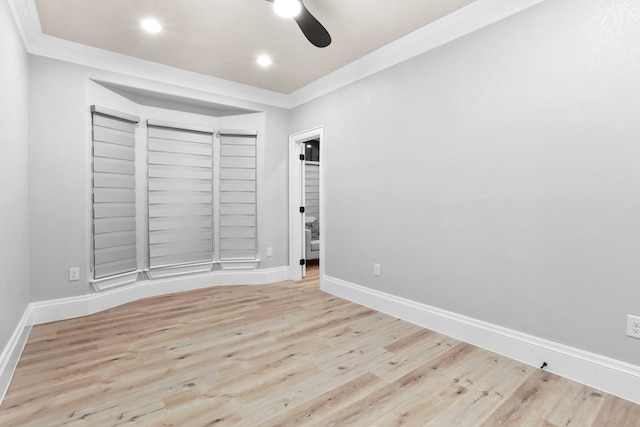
{"x":26,"y":18}
{"x":37,"y":43}
{"x":466,"y":20}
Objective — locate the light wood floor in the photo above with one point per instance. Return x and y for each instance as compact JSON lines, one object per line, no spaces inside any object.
{"x":281,"y":354}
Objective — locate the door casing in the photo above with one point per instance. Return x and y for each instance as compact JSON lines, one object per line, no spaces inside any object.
{"x":296,"y":199}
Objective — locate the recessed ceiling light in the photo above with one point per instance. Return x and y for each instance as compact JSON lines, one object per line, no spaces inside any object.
{"x":264,"y":61}
{"x":287,"y":8}
{"x":151,"y":25}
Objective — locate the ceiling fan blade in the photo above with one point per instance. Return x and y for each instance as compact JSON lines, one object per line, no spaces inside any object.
{"x":313,"y":30}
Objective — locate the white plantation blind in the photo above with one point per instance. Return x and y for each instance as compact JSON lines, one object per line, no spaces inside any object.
{"x":114,"y":212}
{"x":238,"y":235}
{"x":312,"y":190}
{"x":180,"y":170}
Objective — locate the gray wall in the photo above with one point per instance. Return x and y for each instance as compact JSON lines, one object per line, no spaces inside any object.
{"x":498,"y":176}
{"x":60,"y":172}
{"x":14,"y":212}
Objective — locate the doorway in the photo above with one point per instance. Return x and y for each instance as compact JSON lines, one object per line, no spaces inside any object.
{"x":311,"y":188}
{"x":306,"y":219}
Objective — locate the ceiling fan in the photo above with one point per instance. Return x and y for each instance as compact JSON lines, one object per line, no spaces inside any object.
{"x":313,"y":30}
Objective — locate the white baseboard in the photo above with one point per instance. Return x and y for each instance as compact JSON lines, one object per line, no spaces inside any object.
{"x":12,"y":351}
{"x":612,"y":376}
{"x":68,"y":308}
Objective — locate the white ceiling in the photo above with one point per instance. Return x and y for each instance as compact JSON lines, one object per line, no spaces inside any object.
{"x":222,"y":38}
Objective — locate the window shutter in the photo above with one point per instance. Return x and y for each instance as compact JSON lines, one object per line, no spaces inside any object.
{"x":114,"y":211}
{"x":180,"y":171}
{"x":238,"y":234}
{"x":312,"y":190}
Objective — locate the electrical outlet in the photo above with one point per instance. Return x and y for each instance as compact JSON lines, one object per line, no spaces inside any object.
{"x":74,"y":274}
{"x":269,"y":251}
{"x":376,"y":269}
{"x":633,"y":326}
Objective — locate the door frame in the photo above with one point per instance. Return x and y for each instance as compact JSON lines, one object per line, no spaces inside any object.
{"x":296,"y":198}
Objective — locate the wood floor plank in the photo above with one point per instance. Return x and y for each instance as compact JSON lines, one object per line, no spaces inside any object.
{"x":420,"y":382}
{"x":528,"y":404}
{"x":280,"y":355}
{"x":486,"y":380}
{"x":617,"y":412}
{"x":313,"y":410}
{"x":422,"y":407}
